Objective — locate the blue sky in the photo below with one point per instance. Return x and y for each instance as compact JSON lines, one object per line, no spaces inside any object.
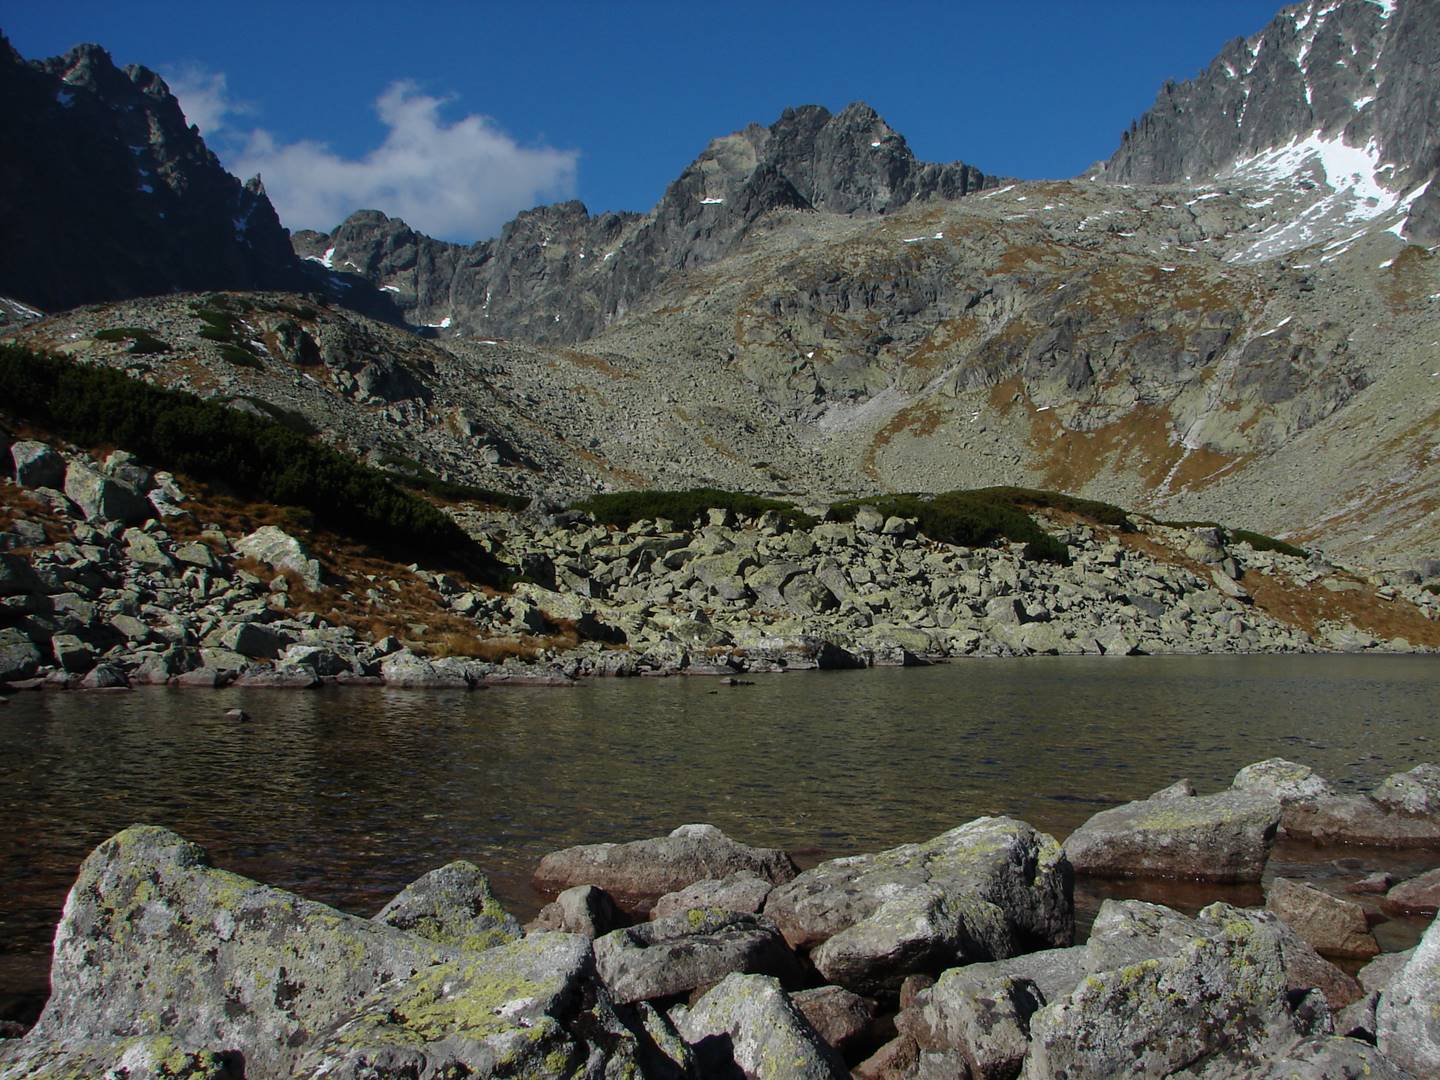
{"x":457,"y":116}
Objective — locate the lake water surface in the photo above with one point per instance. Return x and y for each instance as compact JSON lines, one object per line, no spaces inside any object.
{"x":346,"y":795}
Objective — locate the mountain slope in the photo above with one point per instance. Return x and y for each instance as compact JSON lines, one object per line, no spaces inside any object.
{"x":113,"y":195}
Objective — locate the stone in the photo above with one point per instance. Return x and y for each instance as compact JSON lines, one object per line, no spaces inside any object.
{"x":155,"y":941}
{"x":1419,"y":895}
{"x":868,"y":519}
{"x":1223,"y":837}
{"x":144,"y":549}
{"x":73,"y":655}
{"x":454,"y":906}
{"x":1158,"y":1016}
{"x":804,"y":594}
{"x":405,"y":669}
{"x":1376,"y":975}
{"x":104,"y":676}
{"x":37,"y":465}
{"x":680,"y":953}
{"x":279,"y":550}
{"x":898,"y":1059}
{"x":1284,"y":781}
{"x":20,"y":658}
{"x":18,"y":577}
{"x":987,"y":1022}
{"x":253,"y":640}
{"x":583,"y":910}
{"x":1358,"y":819}
{"x":838,"y":1016}
{"x":743,"y":890}
{"x":195,"y":553}
{"x":322,"y":661}
{"x":1335,"y":927}
{"x":138,"y":1057}
{"x":1416,"y":792}
{"x":103,"y":499}
{"x":638,"y":873}
{"x":747,"y":1026}
{"x":514,"y":1010}
{"x":1407,"y":1020}
{"x":1328,"y":1057}
{"x":989,"y":889}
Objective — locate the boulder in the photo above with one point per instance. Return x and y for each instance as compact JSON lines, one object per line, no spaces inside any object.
{"x":989,"y":889}
{"x":73,"y":655}
{"x":155,"y":941}
{"x":103,"y":499}
{"x":195,"y":553}
{"x":1284,"y":781}
{"x":1328,"y":1057}
{"x":838,"y":1016}
{"x":1335,"y":927}
{"x":137,"y":1057}
{"x":1223,"y":837}
{"x":37,"y":465}
{"x":18,"y":577}
{"x":1359,"y":819}
{"x":743,"y":890}
{"x":1416,"y":793}
{"x":514,"y":1010}
{"x":1376,"y":975}
{"x":20,"y":658}
{"x":583,"y":910}
{"x":748,"y":1027}
{"x":144,"y":549}
{"x":986,"y":1021}
{"x":405,"y":669}
{"x":1158,"y":1016}
{"x":254,"y":640}
{"x":680,"y":953}
{"x":1407,"y":1020}
{"x":1419,"y":895}
{"x":454,"y":906}
{"x":279,"y":550}
{"x":638,"y":873}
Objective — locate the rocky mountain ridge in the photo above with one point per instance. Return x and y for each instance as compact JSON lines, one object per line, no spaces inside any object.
{"x":557,"y":274}
{"x":108,"y":193}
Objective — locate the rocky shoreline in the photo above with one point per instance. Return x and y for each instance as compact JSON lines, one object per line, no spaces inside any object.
{"x":695,"y":955}
{"x":110,"y":577}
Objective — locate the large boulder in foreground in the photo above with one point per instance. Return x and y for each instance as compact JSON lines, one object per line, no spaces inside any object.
{"x":989,"y":889}
{"x":748,"y":1027}
{"x":455,"y":906}
{"x":1408,"y":1019}
{"x":1223,"y":837}
{"x":640,"y":872}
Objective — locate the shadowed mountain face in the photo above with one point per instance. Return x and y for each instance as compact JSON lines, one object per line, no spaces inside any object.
{"x":558,"y":274}
{"x":106,"y":193}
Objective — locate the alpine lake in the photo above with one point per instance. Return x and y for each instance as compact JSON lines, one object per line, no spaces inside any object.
{"x":345,"y":795}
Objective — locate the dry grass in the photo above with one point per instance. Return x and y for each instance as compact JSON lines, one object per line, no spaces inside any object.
{"x":1408,"y":280}
{"x":594,"y":363}
{"x":920,"y":420}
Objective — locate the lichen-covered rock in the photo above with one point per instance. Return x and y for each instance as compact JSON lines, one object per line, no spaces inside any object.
{"x":1223,"y":837}
{"x":638,"y":873}
{"x":406,"y":670}
{"x":1408,"y":1018}
{"x":680,"y":953}
{"x":19,"y":657}
{"x":1335,"y":927}
{"x":1359,"y":819}
{"x":37,"y":465}
{"x":455,"y":906}
{"x":101,"y":498}
{"x":747,"y":1026}
{"x":743,"y":890}
{"x":1376,"y":975}
{"x":1419,"y":895}
{"x":1416,"y":792}
{"x":989,"y":889}
{"x":583,"y":910}
{"x":503,"y":1012}
{"x":1284,"y":781}
{"x":987,"y":1022}
{"x":1325,"y":1057}
{"x":838,"y":1016}
{"x":140,"y":1057}
{"x":155,"y":941}
{"x":1158,"y":1016}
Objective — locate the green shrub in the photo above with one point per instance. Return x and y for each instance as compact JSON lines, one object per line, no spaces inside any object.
{"x":256,"y":458}
{"x":1258,"y":541}
{"x":964,"y":518}
{"x":1091,"y":509}
{"x":624,"y":508}
{"x":412,"y":474}
{"x":142,"y":341}
{"x":240,"y":356}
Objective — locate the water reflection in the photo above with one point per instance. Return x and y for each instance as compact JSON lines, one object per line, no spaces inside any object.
{"x":345,"y":796}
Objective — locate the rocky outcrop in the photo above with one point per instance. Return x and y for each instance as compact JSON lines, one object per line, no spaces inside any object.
{"x":989,"y":889}
{"x":638,"y":873}
{"x":118,"y":196}
{"x":1223,"y":837}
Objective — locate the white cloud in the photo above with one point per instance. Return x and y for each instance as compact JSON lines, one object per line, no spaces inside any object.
{"x":460,"y":181}
{"x":204,"y":98}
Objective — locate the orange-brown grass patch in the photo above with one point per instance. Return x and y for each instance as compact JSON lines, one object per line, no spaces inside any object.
{"x":594,"y":363}
{"x":1409,"y":279}
{"x":920,"y":420}
{"x":18,"y":504}
{"x":630,"y":477}
{"x":945,"y":337}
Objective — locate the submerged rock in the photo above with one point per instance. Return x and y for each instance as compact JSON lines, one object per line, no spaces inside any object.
{"x":989,"y":889}
{"x":1223,"y":837}
{"x":638,"y":873}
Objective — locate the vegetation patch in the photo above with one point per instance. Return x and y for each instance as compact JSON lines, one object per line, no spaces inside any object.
{"x":623,"y":508}
{"x":257,"y":458}
{"x":1258,"y":541}
{"x":965,"y":518}
{"x":142,"y":341}
{"x":416,"y":477}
